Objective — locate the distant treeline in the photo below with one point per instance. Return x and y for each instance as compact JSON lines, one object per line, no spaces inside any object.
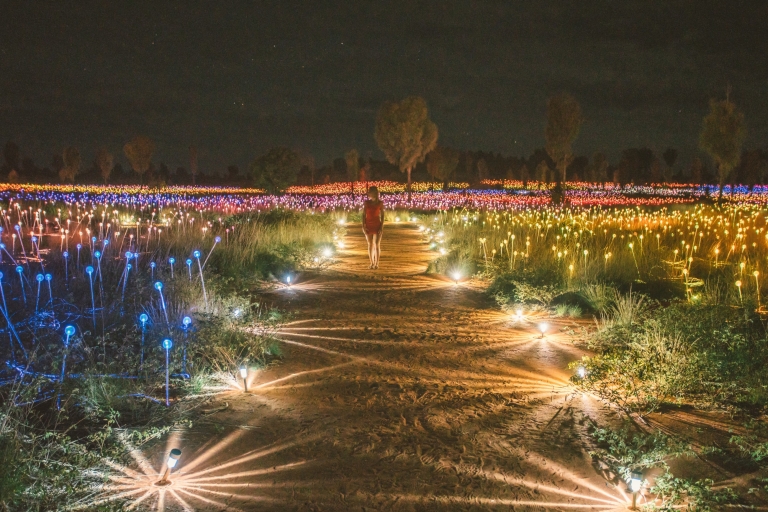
{"x":635,"y":165}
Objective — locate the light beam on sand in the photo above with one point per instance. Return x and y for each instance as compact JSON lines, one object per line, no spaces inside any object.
{"x":195,"y":484}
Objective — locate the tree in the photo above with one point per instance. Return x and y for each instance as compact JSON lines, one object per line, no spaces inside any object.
{"x":482,"y":170}
{"x":71,"y":167}
{"x":276,"y":170}
{"x":442,"y":163}
{"x":563,"y":124}
{"x":405,"y":133}
{"x":352,"y":161}
{"x":139,"y":151}
{"x":670,"y":157}
{"x":722,"y":136}
{"x":193,"y":163}
{"x":542,"y":173}
{"x":11,"y":154}
{"x":105,"y":162}
{"x":598,"y":170}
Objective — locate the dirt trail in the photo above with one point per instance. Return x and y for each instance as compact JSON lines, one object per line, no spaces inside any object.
{"x":401,"y":391}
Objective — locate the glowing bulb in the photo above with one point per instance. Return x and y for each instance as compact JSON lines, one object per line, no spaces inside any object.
{"x":243,"y":371}
{"x":69,"y":330}
{"x":635,"y":481}
{"x":327,"y":252}
{"x":167,"y":344}
{"x":143,"y":318}
{"x":543,"y":328}
{"x":582,"y":372}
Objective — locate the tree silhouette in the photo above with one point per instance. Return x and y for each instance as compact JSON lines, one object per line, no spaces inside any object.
{"x":405,"y":133}
{"x":442,"y":163}
{"x":563,"y":124}
{"x":722,"y":136}
{"x":670,"y":157}
{"x":139,"y":151}
{"x":193,"y":163}
{"x":105,"y":162}
{"x":352,"y":159}
{"x":276,"y":170}
{"x":71,"y":167}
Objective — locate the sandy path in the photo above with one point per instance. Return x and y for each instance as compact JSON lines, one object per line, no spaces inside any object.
{"x":399,"y":391}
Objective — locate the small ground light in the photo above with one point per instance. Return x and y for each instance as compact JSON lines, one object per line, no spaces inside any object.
{"x":327,"y":252}
{"x":581,"y":372}
{"x":456,"y":277}
{"x":519,"y":315}
{"x":288,"y":280}
{"x":173,"y":459}
{"x":635,"y":484}
{"x":244,"y":376}
{"x":543,"y":328}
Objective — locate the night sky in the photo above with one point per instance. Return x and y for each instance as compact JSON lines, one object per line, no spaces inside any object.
{"x":237,"y":77}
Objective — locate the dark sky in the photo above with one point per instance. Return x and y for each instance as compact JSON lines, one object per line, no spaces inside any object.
{"x":236,"y":77}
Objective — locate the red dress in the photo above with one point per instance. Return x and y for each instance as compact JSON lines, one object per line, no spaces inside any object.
{"x":372,"y":217}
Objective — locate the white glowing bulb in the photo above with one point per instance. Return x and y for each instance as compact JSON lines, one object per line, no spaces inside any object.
{"x":635,"y":481}
{"x":456,"y":276}
{"x":243,"y":371}
{"x":327,"y":252}
{"x":582,"y":372}
{"x":543,"y":328}
{"x":173,"y":458}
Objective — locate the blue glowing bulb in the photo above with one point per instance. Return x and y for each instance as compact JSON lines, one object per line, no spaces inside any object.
{"x":153,"y":264}
{"x":1,"y":275}
{"x":189,"y":262}
{"x":17,"y":227}
{"x":158,"y":286}
{"x":196,"y":254}
{"x":217,"y":239}
{"x":19,"y":269}
{"x":171,"y":260}
{"x":97,"y":254}
{"x":128,"y":255}
{"x":167,"y":344}
{"x":143,"y":318}
{"x":93,"y":239}
{"x":34,"y":239}
{"x":186,"y":321}
{"x":69,"y":330}
{"x":89,"y":270}
{"x":79,"y":246}
{"x":129,"y":266}
{"x":2,"y":246}
{"x":48,"y":277}
{"x":106,"y":243}
{"x":39,"y":278}
{"x":65,"y":254}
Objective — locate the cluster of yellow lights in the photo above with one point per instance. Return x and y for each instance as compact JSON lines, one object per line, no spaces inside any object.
{"x":683,"y":244}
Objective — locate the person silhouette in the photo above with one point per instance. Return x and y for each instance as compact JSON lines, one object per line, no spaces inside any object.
{"x":373,"y":225}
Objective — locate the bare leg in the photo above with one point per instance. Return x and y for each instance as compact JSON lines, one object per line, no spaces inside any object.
{"x":377,"y":248}
{"x":369,"y":240}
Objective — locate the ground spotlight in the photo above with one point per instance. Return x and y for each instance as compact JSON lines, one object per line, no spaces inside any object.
{"x":635,"y":483}
{"x":581,"y":372}
{"x":456,"y":277}
{"x":244,"y":376}
{"x":327,"y":252}
{"x":519,"y":315}
{"x":288,"y":280}
{"x":173,"y":459}
{"x":543,"y":326}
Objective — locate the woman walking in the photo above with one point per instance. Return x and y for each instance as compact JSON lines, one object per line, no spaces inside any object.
{"x":373,"y":224}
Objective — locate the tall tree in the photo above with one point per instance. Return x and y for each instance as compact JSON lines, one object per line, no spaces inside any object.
{"x":276,"y":170}
{"x":564,"y":121}
{"x":670,"y":158}
{"x":193,"y":163}
{"x":722,"y":136}
{"x":598,"y":170}
{"x":71,"y":167}
{"x":11,"y":154}
{"x":405,"y":133}
{"x":139,"y":151}
{"x":542,"y":173}
{"x":442,"y":163}
{"x":352,"y":161}
{"x":105,"y":162}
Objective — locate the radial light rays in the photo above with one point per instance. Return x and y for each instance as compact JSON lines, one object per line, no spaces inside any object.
{"x":197,"y":482}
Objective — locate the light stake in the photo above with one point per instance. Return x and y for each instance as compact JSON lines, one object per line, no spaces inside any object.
{"x":167,"y":344}
{"x":173,"y":459}
{"x":543,"y":328}
{"x":244,"y":376}
{"x":635,"y":484}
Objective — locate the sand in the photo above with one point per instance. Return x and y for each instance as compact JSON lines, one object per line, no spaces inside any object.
{"x":400,"y":391}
